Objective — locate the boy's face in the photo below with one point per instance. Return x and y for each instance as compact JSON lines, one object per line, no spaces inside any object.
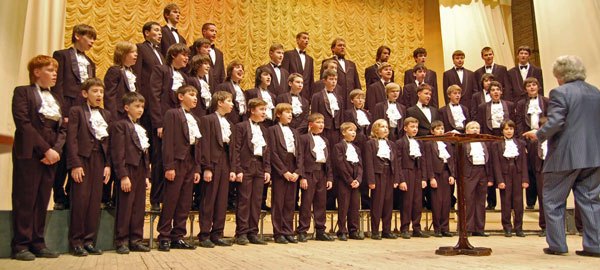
{"x":486,"y":84}
{"x":439,"y":130}
{"x":332,"y":66}
{"x":386,"y":73}
{"x":385,"y":56}
{"x":302,"y":42}
{"x":523,"y":57}
{"x":472,"y":129}
{"x":84,"y":42}
{"x":317,"y":126}
{"x":204,"y":49}
{"x":226,"y":105}
{"x":424,"y":96}
{"x":259,"y":113}
{"x":393,"y":94}
{"x":285,"y":117}
{"x":135,"y":110}
{"x":455,"y":97}
{"x":330,"y":82}
{"x":508,"y":131}
{"x":188,"y":100}
{"x":130,"y":58}
{"x":411,"y":129}
{"x":495,"y":93}
{"x":173,"y":17}
{"x":276,"y":56}
{"x":420,"y":59}
{"x":238,"y":73}
{"x":180,"y":60}
{"x":488,"y":57}
{"x":383,"y":131}
{"x":296,"y":85}
{"x":459,"y":60}
{"x":265,"y":79}
{"x":349,"y":134}
{"x":154,"y":35}
{"x":203,"y":69}
{"x":45,"y":76}
{"x":532,"y":89}
{"x":420,"y":75}
{"x":339,"y":49}
{"x":210,"y":33}
{"x":358,"y":101}
{"x":94,"y":95}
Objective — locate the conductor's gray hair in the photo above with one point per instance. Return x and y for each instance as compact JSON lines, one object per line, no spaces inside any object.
{"x":568,"y":68}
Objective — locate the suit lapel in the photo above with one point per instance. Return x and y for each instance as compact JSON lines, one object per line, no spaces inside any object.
{"x":125,"y":80}
{"x":327,"y":105}
{"x":134,"y":135}
{"x":527,"y":115}
{"x":450,"y":116}
{"x":488,"y":112}
{"x":184,"y":125}
{"x":249,"y":132}
{"x":88,"y":118}
{"x":74,"y":63}
{"x":217,"y":128}
{"x":299,"y":61}
{"x":311,"y":145}
{"x":281,"y":137}
{"x":505,"y":110}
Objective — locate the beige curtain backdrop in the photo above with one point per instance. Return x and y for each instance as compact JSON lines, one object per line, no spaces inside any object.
{"x":470,"y":25}
{"x":568,"y":27}
{"x":28,"y":28}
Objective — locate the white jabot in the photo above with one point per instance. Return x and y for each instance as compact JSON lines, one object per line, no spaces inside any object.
{"x":351,"y":154}
{"x":240,"y":98}
{"x":383,"y":149}
{"x":193,"y":129}
{"x":458,"y":115}
{"x":443,"y":152}
{"x":99,"y":125}
{"x":177,"y":80}
{"x":205,"y":92}
{"x":264,"y":94}
{"x":258,"y":140}
{"x":319,"y":149}
{"x":49,"y":108}
{"x":142,"y":136}
{"x":296,"y":105}
{"x":426,"y":111}
{"x":510,"y":149}
{"x":361,"y":118}
{"x":534,"y":112}
{"x":225,"y":128}
{"x":131,"y":78}
{"x":414,"y":150}
{"x":213,"y":55}
{"x":477,"y":153}
{"x":393,"y":115}
{"x":82,"y":64}
{"x":333,"y":102}
{"x":544,"y":147}
{"x":302,"y":58}
{"x":288,"y":136}
{"x":497,"y":115}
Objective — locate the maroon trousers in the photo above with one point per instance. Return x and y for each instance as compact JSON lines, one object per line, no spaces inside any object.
{"x":441,"y":197}
{"x":412,"y":202}
{"x":213,"y":205}
{"x":333,"y":137}
{"x":313,"y":197}
{"x":511,"y":198}
{"x":177,"y":201}
{"x":539,"y":178}
{"x":85,"y":199}
{"x":348,"y":206}
{"x":283,"y":202}
{"x":475,"y":194}
{"x":382,"y":200}
{"x":249,"y":199}
{"x":131,"y":207}
{"x":158,"y":173}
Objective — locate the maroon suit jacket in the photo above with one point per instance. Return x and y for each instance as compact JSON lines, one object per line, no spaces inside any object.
{"x":115,"y":87}
{"x":243,"y":149}
{"x":419,"y":165}
{"x":212,"y":145}
{"x":345,"y":170}
{"x":477,"y":99}
{"x":276,"y":87}
{"x":435,"y":164}
{"x":468,"y":86}
{"x":176,"y":140}
{"x":409,"y":95}
{"x":372,"y":76}
{"x":424,"y":124}
{"x":307,"y":143}
{"x":375,"y":94}
{"x":517,"y":90}
{"x":293,"y":64}
{"x":500,"y":163}
{"x":80,"y":136}
{"x":68,"y":81}
{"x":217,"y":70}
{"x":163,"y":97}
{"x":299,"y":122}
{"x":522,"y":119}
{"x":430,"y":78}
{"x":278,"y":148}
{"x":320,"y":104}
{"x":380,"y":112}
{"x":320,"y":85}
{"x":234,"y":116}
{"x":500,"y":73}
{"x":347,"y":80}
{"x":126,"y":148}
{"x":168,"y":39}
{"x":143,"y":68}
{"x":374,"y":164}
{"x":362,"y":133}
{"x":484,"y":115}
{"x":28,"y":141}
{"x":448,"y":119}
{"x":201,"y":108}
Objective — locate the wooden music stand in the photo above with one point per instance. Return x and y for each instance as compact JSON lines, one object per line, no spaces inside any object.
{"x":6,"y":143}
{"x":463,"y":247}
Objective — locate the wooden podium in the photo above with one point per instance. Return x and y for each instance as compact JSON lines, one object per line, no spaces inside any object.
{"x":6,"y":143}
{"x":463,"y":247}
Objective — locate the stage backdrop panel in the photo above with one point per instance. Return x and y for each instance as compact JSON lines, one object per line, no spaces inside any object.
{"x":246,"y":29}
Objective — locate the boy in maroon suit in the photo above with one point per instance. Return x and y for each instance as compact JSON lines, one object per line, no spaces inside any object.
{"x":129,"y":143}
{"x":454,"y":115}
{"x":300,"y":105}
{"x":490,"y":115}
{"x":483,"y":96}
{"x":235,"y":74}
{"x":377,"y":89}
{"x":199,"y":70}
{"x":441,"y":166}
{"x":500,"y":72}
{"x":510,"y":172}
{"x":120,"y":79}
{"x":88,"y":160}
{"x":348,"y":169}
{"x":74,"y":67}
{"x":391,"y":111}
{"x":217,"y":75}
{"x":409,"y":96}
{"x":181,"y":159}
{"x":218,"y":136}
{"x":286,"y":167}
{"x":39,"y":139}
{"x":316,"y":180}
{"x":523,"y":70}
{"x":297,"y":61}
{"x":372,"y":72}
{"x":383,"y":175}
{"x":252,"y":164}
{"x":461,"y":76}
{"x":261,"y":92}
{"x":170,"y":34}
{"x":278,"y":74}
{"x":420,"y":56}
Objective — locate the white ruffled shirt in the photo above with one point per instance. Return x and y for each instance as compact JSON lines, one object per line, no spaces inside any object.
{"x":82,"y":64}
{"x":240,"y":98}
{"x":193,"y":129}
{"x":333,"y":102}
{"x":50,"y":108}
{"x":258,"y":139}
{"x":458,"y":115}
{"x":177,"y":80}
{"x":497,"y":114}
{"x":99,"y":125}
{"x":477,"y":153}
{"x":443,"y":152}
{"x":510,"y":149}
{"x":288,"y":136}
{"x":414,"y":150}
{"x":393,"y":115}
{"x":225,"y":128}
{"x":264,"y":94}
{"x":362,"y":119}
{"x":296,"y":105}
{"x":131,"y":78}
{"x":383,"y":149}
{"x":351,"y":154}
{"x":534,"y":112}
{"x":319,"y":149}
{"x":205,"y":92}
{"x":142,"y":136}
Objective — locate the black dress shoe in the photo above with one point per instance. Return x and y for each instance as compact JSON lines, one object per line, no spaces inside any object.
{"x":164,"y":245}
{"x":405,"y":235}
{"x":79,"y":251}
{"x":181,"y":244}
{"x":542,"y":233}
{"x":255,"y":240}
{"x":520,"y":233}
{"x":419,"y":234}
{"x":481,"y":234}
{"x":322,"y":236}
{"x":155,"y":207}
{"x":376,"y":236}
{"x":490,"y":208}
{"x":138,"y":247}
{"x":24,"y":255}
{"x":356,"y":236}
{"x":291,"y":239}
{"x":92,"y":250}
{"x":222,"y":242}
{"x":529,"y":207}
{"x":59,"y":206}
{"x":342,"y":237}
{"x":389,"y":236}
{"x":207,"y":244}
{"x":108,"y":205}
{"x":447,"y":234}
{"x":241,"y":240}
{"x":507,"y":233}
{"x":437,"y":234}
{"x":302,"y":237}
{"x":46,"y":253}
{"x":281,"y":240}
{"x":554,"y":252}
{"x":122,"y":249}
{"x":587,"y":253}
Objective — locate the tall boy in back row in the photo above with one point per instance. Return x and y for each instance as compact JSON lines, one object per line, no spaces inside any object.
{"x":298,"y":61}
{"x":523,"y":70}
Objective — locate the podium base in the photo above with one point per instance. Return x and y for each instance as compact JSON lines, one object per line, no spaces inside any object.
{"x":453,"y":251}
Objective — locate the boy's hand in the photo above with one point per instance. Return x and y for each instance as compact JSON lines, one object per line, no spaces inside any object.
{"x":77,"y":174}
{"x":207,"y":176}
{"x":354,"y":184}
{"x":525,"y":185}
{"x":125,"y":184}
{"x":403,"y":186}
{"x":295,"y":177}
{"x":371,"y":186}
{"x":148,"y":185}
{"x":288,"y":176}
{"x":451,"y":180}
{"x":395,"y":185}
{"x":196,"y":178}
{"x":232,"y":177}
{"x":490,"y":184}
{"x":329,"y":185}
{"x":170,"y":175}
{"x":50,"y":157}
{"x":159,"y":132}
{"x":106,"y":174}
{"x":501,"y":186}
{"x":267,"y":178}
{"x":303,"y":184}
{"x":433,"y":183}
{"x":239,"y":177}
{"x":423,"y":184}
